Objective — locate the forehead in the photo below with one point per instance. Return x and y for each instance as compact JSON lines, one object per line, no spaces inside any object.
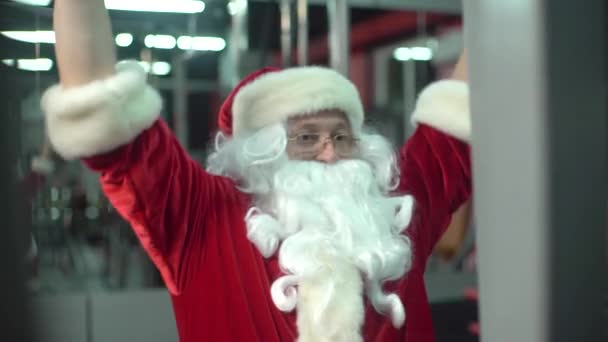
{"x":323,"y":120}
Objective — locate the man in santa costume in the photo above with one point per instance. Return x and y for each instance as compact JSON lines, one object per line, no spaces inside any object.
{"x":305,"y":225}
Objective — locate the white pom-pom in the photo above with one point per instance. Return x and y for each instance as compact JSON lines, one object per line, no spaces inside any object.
{"x":262,"y":231}
{"x":284,"y":293}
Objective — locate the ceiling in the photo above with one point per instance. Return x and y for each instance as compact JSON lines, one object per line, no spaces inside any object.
{"x":263,"y":29}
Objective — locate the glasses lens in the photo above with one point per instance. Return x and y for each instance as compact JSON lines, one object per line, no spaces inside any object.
{"x":307,"y":140}
{"x":344,"y":145}
{"x":306,"y":144}
{"x":310,"y":144}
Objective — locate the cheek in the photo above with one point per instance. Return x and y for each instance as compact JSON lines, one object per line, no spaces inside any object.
{"x":290,"y":152}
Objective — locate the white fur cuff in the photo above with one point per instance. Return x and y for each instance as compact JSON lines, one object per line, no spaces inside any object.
{"x":444,"y":105}
{"x":102,"y":115}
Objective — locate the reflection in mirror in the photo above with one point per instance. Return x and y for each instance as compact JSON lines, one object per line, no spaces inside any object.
{"x":73,"y":241}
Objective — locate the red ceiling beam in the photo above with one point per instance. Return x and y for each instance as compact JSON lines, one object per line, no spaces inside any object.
{"x":368,"y":32}
{"x":376,"y":31}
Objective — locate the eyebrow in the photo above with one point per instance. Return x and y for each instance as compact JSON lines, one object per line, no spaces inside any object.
{"x":307,"y":126}
{"x":340,"y":126}
{"x":312,"y":126}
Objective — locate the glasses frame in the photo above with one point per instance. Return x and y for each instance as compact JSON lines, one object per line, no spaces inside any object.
{"x":319,"y":146}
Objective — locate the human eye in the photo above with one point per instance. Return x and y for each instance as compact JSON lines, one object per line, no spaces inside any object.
{"x":307,"y":138}
{"x":341,"y":137}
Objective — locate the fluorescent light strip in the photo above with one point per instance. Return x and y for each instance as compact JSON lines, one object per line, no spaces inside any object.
{"x":422,"y":53}
{"x":201,"y":43}
{"x":161,"y":68}
{"x":402,"y":54}
{"x":34,"y":2}
{"x":157,"y":68}
{"x":124,"y":39}
{"x":40,"y":64}
{"x":169,"y":6}
{"x":236,"y":6}
{"x":414,"y":53}
{"x":47,"y":37}
{"x":160,"y":41}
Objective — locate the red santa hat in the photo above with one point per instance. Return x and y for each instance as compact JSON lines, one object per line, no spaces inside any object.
{"x":271,"y":95}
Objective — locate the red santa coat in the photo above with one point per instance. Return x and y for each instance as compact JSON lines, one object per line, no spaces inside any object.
{"x":191,"y":223}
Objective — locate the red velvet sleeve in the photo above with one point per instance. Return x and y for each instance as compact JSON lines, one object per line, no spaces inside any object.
{"x":436,"y":170}
{"x":165,"y":196}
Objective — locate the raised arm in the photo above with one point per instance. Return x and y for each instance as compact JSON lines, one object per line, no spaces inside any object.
{"x":85,"y":46}
{"x":460,"y":72}
{"x":435,"y":162}
{"x":109,"y":117}
{"x":455,"y":233}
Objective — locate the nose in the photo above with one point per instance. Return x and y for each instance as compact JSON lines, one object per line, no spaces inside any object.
{"x":328,"y":154}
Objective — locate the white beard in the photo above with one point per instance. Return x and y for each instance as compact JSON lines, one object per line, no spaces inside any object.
{"x":340,"y":236}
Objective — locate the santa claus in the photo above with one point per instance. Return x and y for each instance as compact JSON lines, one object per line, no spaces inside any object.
{"x":305,"y":225}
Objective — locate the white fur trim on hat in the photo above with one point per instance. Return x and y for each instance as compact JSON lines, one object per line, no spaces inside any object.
{"x":100,"y":116}
{"x":444,"y":105}
{"x":276,"y":96}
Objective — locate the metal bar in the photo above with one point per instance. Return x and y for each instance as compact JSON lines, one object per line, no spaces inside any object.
{"x":180,"y":100}
{"x":339,"y":35}
{"x":409,"y":95}
{"x":539,"y":163}
{"x":88,"y":318}
{"x":286,"y":30}
{"x":440,"y":6}
{"x":302,"y":32}
{"x":239,"y":41}
{"x":510,"y":168}
{"x":381,"y":58}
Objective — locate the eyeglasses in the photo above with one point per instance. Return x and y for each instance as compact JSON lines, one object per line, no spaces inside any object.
{"x":309,"y":145}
